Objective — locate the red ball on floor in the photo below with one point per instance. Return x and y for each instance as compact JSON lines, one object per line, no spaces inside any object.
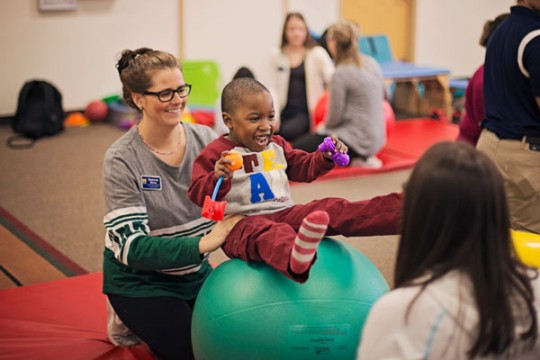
{"x":96,"y":110}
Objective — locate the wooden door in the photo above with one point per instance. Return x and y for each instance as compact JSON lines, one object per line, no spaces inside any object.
{"x":395,"y":18}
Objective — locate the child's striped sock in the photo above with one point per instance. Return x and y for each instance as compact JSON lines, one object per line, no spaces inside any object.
{"x":309,"y":236}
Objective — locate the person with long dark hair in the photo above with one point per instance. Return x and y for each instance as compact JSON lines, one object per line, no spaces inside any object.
{"x":302,"y":71}
{"x":460,"y":292}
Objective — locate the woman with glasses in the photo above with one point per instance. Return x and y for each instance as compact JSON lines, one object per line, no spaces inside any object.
{"x":157,"y":245}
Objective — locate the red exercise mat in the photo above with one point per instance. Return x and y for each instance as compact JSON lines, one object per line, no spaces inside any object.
{"x":408,"y":141}
{"x":61,"y":319}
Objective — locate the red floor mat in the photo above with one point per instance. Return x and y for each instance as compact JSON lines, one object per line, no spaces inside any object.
{"x":408,"y":141}
{"x":62,"y":319}
{"x":413,"y":137}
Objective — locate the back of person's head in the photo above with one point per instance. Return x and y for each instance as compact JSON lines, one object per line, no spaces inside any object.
{"x":243,"y":72}
{"x":323,"y":41}
{"x":456,"y":217}
{"x":136,"y":68}
{"x":309,"y":42}
{"x":453,"y":198}
{"x":234,"y":93}
{"x":345,"y":33}
{"x":489,"y":28}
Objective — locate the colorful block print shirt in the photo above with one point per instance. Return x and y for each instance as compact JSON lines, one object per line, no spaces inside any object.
{"x":261,"y":186}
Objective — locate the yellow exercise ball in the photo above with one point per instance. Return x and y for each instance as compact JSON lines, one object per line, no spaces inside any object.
{"x":528,"y":247}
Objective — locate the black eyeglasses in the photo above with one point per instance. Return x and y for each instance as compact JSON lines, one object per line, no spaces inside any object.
{"x":168,"y":94}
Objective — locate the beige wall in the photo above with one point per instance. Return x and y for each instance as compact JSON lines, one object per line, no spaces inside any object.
{"x":245,"y":32}
{"x":447,"y":32}
{"x":77,"y":49}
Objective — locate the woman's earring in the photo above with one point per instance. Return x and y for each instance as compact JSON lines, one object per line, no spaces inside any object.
{"x":141,"y":108}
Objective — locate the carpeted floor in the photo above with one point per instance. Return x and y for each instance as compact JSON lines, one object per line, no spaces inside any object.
{"x":55,"y":190}
{"x":28,"y":259}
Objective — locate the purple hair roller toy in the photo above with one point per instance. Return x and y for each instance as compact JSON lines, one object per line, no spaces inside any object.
{"x":339,"y":158}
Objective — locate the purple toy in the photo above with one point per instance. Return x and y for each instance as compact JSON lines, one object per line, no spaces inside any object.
{"x":339,"y":158}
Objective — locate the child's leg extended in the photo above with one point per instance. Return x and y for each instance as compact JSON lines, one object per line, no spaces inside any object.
{"x":307,"y":241}
{"x":377,"y":216}
{"x":260,"y":238}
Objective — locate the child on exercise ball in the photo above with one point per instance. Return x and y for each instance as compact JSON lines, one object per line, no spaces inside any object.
{"x":277,"y":232}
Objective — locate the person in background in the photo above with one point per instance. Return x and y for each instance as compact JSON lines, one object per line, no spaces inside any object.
{"x":368,"y":62}
{"x":302,"y":72}
{"x":355,"y":110}
{"x":511,"y":135}
{"x":469,"y":126}
{"x":275,"y":230}
{"x":157,"y":245}
{"x":460,"y":292}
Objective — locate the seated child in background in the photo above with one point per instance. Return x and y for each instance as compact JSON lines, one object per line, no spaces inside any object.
{"x":277,"y":232}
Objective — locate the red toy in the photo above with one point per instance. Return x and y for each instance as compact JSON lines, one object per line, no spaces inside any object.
{"x":213,"y":209}
{"x":321,"y":108}
{"x":96,"y":111}
{"x":389,"y":118}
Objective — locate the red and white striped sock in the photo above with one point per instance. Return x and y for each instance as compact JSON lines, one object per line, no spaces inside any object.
{"x":309,"y":236}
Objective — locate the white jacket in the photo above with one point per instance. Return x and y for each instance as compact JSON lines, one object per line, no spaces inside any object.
{"x":441,"y":324}
{"x":319,"y":69}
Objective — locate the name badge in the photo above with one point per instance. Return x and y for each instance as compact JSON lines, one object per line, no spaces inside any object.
{"x":150,"y":182}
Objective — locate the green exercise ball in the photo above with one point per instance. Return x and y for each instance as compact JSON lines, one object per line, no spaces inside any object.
{"x":247,"y":310}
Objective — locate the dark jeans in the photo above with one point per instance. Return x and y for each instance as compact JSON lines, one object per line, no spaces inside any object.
{"x":164,"y":323}
{"x":294,"y":126}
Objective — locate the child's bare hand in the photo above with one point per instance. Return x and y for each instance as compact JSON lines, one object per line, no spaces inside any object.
{"x":221,"y":168}
{"x":340,"y":146}
{"x":213,"y":240}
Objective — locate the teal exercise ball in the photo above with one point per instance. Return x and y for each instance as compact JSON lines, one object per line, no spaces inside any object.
{"x":248,"y":310}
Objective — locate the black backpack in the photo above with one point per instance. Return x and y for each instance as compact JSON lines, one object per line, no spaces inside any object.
{"x":39,"y":113}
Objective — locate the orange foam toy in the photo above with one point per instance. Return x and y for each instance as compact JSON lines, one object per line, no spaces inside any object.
{"x":235,"y":159}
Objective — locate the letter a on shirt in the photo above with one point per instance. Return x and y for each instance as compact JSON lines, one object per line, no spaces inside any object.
{"x":259,"y":188}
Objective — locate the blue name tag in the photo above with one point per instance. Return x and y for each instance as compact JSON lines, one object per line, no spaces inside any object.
{"x":150,"y":182}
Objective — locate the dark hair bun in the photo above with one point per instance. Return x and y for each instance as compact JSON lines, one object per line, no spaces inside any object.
{"x":129,"y":55}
